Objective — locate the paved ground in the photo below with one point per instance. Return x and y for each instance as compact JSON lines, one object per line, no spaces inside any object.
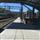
{"x":18,"y":20}
{"x":18,"y":25}
{"x":17,"y":34}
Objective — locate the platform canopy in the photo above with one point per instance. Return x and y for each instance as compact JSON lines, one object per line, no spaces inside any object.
{"x":34,"y":3}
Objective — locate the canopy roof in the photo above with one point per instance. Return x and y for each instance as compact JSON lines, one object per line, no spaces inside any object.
{"x":34,"y":3}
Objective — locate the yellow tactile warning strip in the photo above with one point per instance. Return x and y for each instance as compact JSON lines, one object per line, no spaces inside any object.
{"x":16,"y":34}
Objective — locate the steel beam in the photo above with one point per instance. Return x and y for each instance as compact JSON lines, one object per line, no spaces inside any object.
{"x":21,"y":11}
{"x":27,"y":7}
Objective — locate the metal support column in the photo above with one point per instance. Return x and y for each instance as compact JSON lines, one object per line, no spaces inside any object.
{"x":21,"y":11}
{"x":33,"y":14}
{"x":33,"y":11}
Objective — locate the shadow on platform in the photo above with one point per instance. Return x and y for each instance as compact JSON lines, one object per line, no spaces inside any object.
{"x":24,"y":26}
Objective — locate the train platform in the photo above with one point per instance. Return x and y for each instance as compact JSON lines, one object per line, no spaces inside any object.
{"x":14,"y":32}
{"x":20,"y":34}
{"x":16,"y":24}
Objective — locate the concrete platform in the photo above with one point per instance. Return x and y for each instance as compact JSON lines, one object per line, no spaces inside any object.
{"x":18,"y":20}
{"x":17,"y":24}
{"x":20,"y":34}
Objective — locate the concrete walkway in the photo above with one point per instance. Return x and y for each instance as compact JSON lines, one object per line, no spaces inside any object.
{"x":19,"y":34}
{"x":16,"y":24}
{"x":18,"y":20}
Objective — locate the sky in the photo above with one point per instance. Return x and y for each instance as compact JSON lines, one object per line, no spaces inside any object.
{"x":15,"y":7}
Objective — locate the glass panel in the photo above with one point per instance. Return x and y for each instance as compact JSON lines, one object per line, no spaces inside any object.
{"x":28,"y":13}
{"x":10,"y":10}
{"x":11,"y":6}
{"x":37,"y":15}
{"x":21,"y":18}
